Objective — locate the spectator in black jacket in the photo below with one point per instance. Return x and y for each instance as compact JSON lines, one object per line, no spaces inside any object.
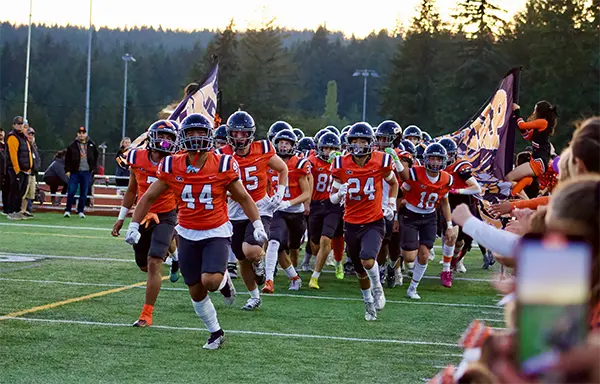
{"x":55,"y":176}
{"x":81,"y":161}
{"x":3,"y":175}
{"x":20,"y":162}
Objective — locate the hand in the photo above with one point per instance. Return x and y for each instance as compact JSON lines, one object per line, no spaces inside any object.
{"x":283,"y":205}
{"x":149,"y":218}
{"x":516,"y":227}
{"x":117,"y":228}
{"x":388,"y":213}
{"x":501,"y":208}
{"x":515,"y":106}
{"x":451,"y":234}
{"x":333,"y":155}
{"x":133,"y":234}
{"x":343,"y":190}
{"x":461,"y":214}
{"x":260,"y":235}
{"x":396,"y":226}
{"x":392,"y":152}
{"x":306,"y":210}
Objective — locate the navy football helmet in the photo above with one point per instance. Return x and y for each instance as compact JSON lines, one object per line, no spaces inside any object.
{"x":426,"y":137}
{"x":364,"y":131}
{"x":240,"y":121}
{"x":386,"y":133}
{"x":162,"y":144}
{"x":328,"y":140}
{"x":220,"y":136}
{"x":287,"y":135}
{"x":277,"y":127}
{"x":412,"y":131}
{"x":190,"y":142}
{"x":298,"y":132}
{"x":435,"y":150}
{"x":409,"y":147}
{"x":333,"y":129}
{"x":451,"y":149}
{"x":306,"y":144}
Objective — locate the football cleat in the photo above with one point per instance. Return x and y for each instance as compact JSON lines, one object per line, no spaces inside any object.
{"x":305,"y":267}
{"x":229,"y":300}
{"x":339,"y":271}
{"x":446,"y":279}
{"x":488,"y":260}
{"x":259,"y":271}
{"x":295,"y":284}
{"x":269,"y":287}
{"x":349,"y":268}
{"x":460,"y":267}
{"x":174,"y":271}
{"x":67,"y":214}
{"x":379,"y":297}
{"x":314,"y":283}
{"x":431,"y":255}
{"x":252,"y":304}
{"x":232,"y":269}
{"x":330,"y":260}
{"x":370,"y":311}
{"x":411,"y":293}
{"x":382,"y":274}
{"x":215,"y":340}
{"x":142,"y":323}
{"x":81,"y":215}
{"x":399,"y":278}
{"x":390,"y":279}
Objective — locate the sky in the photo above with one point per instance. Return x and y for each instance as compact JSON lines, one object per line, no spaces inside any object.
{"x":358,"y":18}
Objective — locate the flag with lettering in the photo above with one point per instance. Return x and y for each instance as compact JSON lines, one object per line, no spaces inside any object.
{"x":201,"y":99}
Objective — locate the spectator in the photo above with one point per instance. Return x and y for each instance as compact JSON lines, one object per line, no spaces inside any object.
{"x":29,"y":196}
{"x":3,"y":175}
{"x":81,"y":160}
{"x":122,"y":169}
{"x":55,"y":177}
{"x":20,"y":162}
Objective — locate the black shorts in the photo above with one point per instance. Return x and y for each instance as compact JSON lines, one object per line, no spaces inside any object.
{"x":243,"y":232}
{"x":417,"y":229}
{"x":363,"y":241}
{"x":394,"y":246}
{"x":389,"y":226}
{"x":202,"y":256}
{"x":288,"y":229}
{"x":155,"y":240}
{"x":325,"y":219}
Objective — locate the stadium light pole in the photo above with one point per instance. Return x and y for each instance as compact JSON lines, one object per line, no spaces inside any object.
{"x":365,"y":73}
{"x":89,"y":74}
{"x":126,"y":58}
{"x":26,"y":96}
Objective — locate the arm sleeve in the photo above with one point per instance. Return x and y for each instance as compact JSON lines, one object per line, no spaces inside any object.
{"x":13,"y":147}
{"x":531,"y":203}
{"x":537,"y":124}
{"x":496,"y":240}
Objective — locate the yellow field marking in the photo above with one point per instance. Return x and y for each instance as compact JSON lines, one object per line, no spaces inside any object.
{"x":12,"y":315}
{"x":72,"y":236}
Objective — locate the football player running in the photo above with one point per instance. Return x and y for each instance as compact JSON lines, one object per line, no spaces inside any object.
{"x":357,"y":177}
{"x":288,"y":224}
{"x":158,"y":227}
{"x":200,"y":180}
{"x":425,"y":189}
{"x":254,"y":159}
{"x":413,"y":134}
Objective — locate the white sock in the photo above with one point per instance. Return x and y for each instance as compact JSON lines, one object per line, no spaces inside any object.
{"x":232,"y":258}
{"x":316,"y":274}
{"x":175,"y":255}
{"x":447,"y":252}
{"x":418,"y":273}
{"x":374,"y":275}
{"x":207,"y":313}
{"x":367,"y":295}
{"x":445,"y":267}
{"x":291,"y":272}
{"x":224,"y":281}
{"x":255,"y":294}
{"x":307,"y":257}
{"x":271,"y":258}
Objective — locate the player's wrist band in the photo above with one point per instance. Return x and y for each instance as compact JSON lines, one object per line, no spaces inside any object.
{"x":399,"y":165}
{"x":281,"y":190}
{"x":336,"y":184}
{"x":449,"y":224}
{"x":134,"y":225}
{"x":258,"y":224}
{"x":123,"y":213}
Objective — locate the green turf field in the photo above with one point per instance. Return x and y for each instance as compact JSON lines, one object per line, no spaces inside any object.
{"x":304,"y":337}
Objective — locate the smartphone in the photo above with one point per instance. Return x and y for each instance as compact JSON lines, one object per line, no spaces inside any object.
{"x":552,"y":283}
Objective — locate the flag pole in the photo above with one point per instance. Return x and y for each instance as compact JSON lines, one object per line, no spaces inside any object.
{"x":26,"y":96}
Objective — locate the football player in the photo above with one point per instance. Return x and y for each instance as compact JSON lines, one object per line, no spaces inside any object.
{"x":157,"y":232}
{"x":413,"y":134}
{"x":299,"y":134}
{"x":220,"y":139}
{"x":254,"y":159}
{"x":425,"y":189}
{"x":464,"y":188}
{"x":277,"y":127}
{"x":200,"y":180}
{"x":288,"y":225}
{"x":325,"y":218}
{"x":357,"y":177}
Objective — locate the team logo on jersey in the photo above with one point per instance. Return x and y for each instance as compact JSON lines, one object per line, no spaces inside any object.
{"x":348,"y":172}
{"x":178,"y":178}
{"x":142,"y":170}
{"x":423,"y":186}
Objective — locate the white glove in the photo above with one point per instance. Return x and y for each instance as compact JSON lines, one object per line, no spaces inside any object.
{"x":283,"y":205}
{"x":259,"y":232}
{"x":278,"y":196}
{"x":342,"y":190}
{"x":388,"y":213}
{"x":133,"y":234}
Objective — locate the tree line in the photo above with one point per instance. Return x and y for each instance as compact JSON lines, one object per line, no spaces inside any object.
{"x":433,"y":73}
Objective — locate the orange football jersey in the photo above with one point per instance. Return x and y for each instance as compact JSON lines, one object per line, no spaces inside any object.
{"x":202,"y":195}
{"x":364,"y":197}
{"x":144,"y":171}
{"x":461,"y":171}
{"x":422,"y":194}
{"x":297,"y":168}
{"x":273,"y":178}
{"x":321,"y":171}
{"x":254,"y":167}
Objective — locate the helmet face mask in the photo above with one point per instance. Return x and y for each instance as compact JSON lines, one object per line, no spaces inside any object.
{"x":196,"y":133}
{"x":386,"y":133}
{"x":285,"y":143}
{"x":451,"y":149}
{"x":384,"y":141}
{"x":413,"y":134}
{"x":360,"y":139}
{"x":329,"y":142}
{"x":162,"y":136}
{"x":435,"y":157}
{"x":240,"y":130}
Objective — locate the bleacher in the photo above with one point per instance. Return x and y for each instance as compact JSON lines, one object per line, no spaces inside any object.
{"x":105,"y":199}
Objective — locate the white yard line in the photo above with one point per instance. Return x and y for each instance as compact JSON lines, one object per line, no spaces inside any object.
{"x":300,"y":296}
{"x":107,"y":230}
{"x":492,"y":320}
{"x":244,"y":332}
